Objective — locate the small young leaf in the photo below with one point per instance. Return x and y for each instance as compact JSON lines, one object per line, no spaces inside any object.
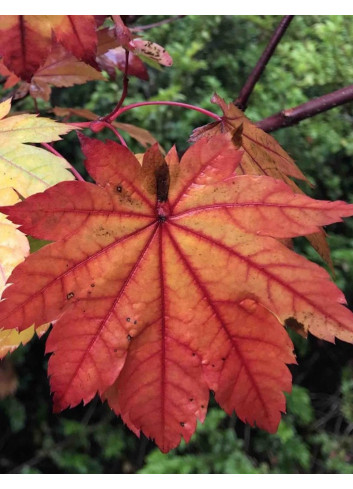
{"x":61,"y":69}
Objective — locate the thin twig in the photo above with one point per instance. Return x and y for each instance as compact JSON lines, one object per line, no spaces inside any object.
{"x":289,"y":117}
{"x":35,"y":106}
{"x":112,"y":115}
{"x":250,"y":83}
{"x":156,"y":24}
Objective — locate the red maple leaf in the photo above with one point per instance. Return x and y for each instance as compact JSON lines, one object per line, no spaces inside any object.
{"x":26,"y":40}
{"x":167,"y":280}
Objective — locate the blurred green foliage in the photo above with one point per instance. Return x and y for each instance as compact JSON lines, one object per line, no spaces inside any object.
{"x":216,"y":53}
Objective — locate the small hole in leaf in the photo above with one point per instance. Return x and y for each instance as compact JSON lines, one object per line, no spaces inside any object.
{"x":182,"y":424}
{"x":70,"y":295}
{"x":129,"y":337}
{"x":128,"y":319}
{"x":119,"y":189}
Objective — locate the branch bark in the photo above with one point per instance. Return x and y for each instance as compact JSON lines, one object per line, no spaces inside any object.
{"x":250,"y":83}
{"x":289,"y":117}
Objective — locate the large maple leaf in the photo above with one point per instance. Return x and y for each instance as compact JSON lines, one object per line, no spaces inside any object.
{"x":167,"y":280}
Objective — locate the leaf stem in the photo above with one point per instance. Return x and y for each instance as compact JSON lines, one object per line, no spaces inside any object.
{"x":81,"y":125}
{"x":110,"y":117}
{"x":50,"y":148}
{"x":36,"y":109}
{"x":253,"y":78}
{"x":115,"y":131}
{"x":139,"y":28}
{"x":289,"y":117}
{"x":168,"y":102}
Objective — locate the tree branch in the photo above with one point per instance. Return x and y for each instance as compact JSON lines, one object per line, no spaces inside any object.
{"x":250,"y":83}
{"x":289,"y":117}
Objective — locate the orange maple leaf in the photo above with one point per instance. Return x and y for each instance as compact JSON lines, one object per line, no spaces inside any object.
{"x":167,"y":280}
{"x":262,"y":156}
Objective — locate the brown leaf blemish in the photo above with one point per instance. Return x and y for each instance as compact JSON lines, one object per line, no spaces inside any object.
{"x":162,"y":182}
{"x":296,"y":326}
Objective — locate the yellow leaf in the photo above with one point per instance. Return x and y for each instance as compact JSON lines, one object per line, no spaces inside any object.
{"x":27,"y":168}
{"x":5,"y":108}
{"x":14,"y":248}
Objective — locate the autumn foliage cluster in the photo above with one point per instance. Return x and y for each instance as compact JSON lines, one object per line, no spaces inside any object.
{"x":168,"y":277}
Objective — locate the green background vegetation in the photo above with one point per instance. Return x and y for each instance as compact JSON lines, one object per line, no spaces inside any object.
{"x":216,"y":53}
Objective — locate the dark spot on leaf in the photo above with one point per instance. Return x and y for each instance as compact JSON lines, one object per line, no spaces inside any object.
{"x":182,"y":424}
{"x":70,"y":295}
{"x":237,"y":136}
{"x":135,"y":322}
{"x":93,"y":285}
{"x":223,"y":359}
{"x":194,"y":354}
{"x":213,"y":365}
{"x":162,"y":182}
{"x":202,"y":406}
{"x":115,"y":350}
{"x":191,"y":399}
{"x":296,"y":326}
